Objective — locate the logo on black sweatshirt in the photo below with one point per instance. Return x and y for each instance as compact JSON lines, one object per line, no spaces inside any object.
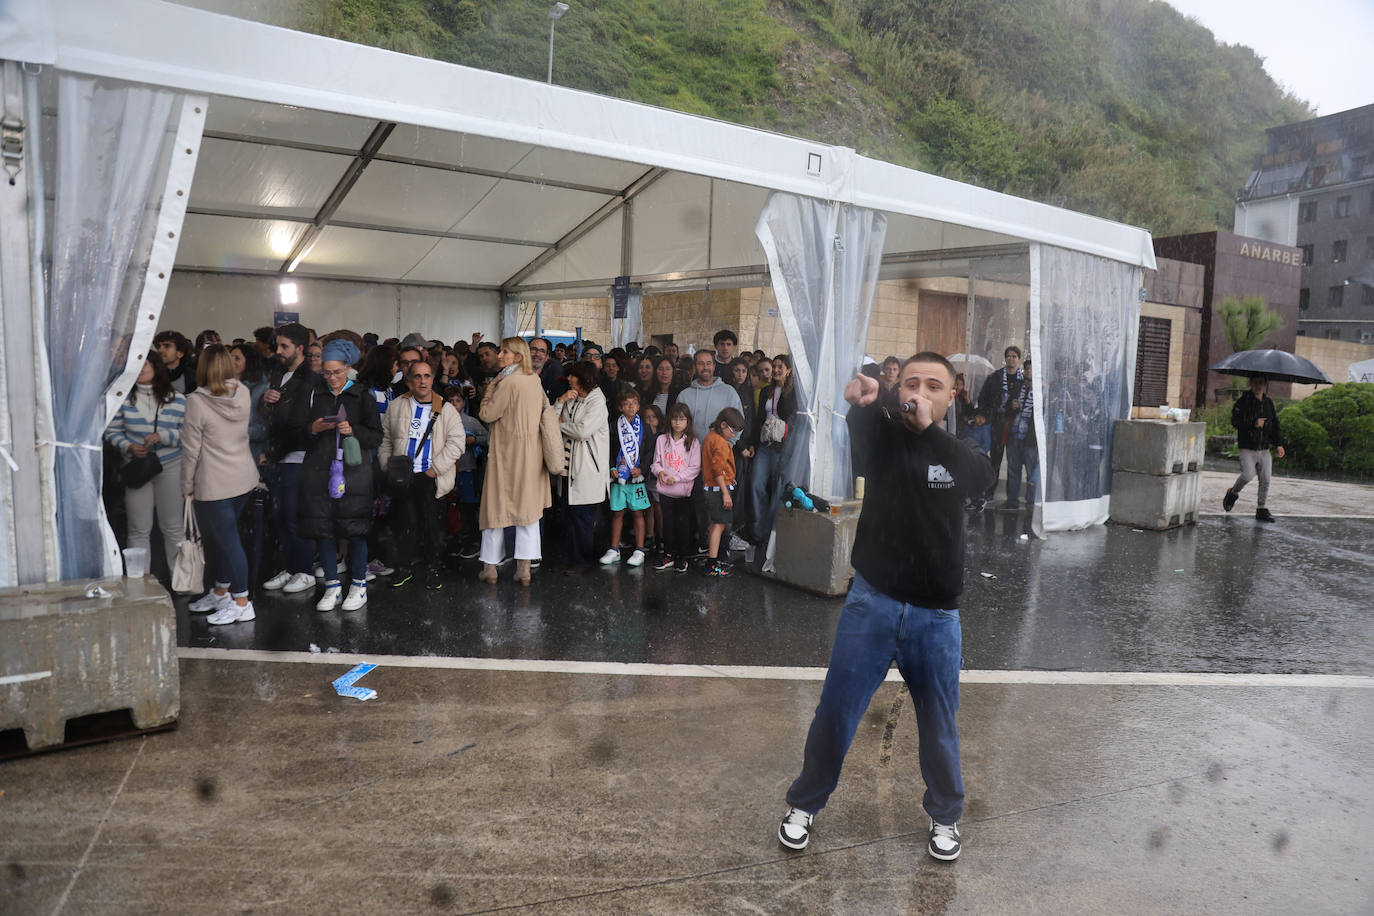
{"x":937,"y":478}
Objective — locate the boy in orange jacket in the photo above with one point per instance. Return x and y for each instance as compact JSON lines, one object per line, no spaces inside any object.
{"x":718,"y":480}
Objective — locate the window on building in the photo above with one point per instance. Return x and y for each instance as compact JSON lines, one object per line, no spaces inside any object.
{"x":1307,"y":211}
{"x":1333,"y":335}
{"x":1302,"y":333}
{"x":1304,"y":299}
{"x":1306,"y":255}
{"x":1338,"y":251}
{"x":1335,"y":296}
{"x":1368,"y":297}
{"x":1357,"y":166}
{"x":1342,"y":207}
{"x":1369,"y":248}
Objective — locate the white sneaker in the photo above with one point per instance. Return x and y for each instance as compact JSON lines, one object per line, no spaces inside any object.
{"x":636,"y":558}
{"x":330,"y":599}
{"x":209,"y":602}
{"x":610,"y":556}
{"x":340,"y":568}
{"x":277,"y":581}
{"x":738,"y":543}
{"x":357,"y":597}
{"x":795,"y":830}
{"x":300,"y":582}
{"x":232,"y":613}
{"x":944,"y":841}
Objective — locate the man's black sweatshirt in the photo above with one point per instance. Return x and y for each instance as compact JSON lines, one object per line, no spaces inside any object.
{"x":910,"y":542}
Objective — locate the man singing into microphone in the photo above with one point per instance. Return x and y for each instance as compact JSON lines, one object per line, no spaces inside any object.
{"x":903,"y":606}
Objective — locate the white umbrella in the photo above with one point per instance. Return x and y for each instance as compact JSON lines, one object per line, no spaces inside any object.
{"x":1362,"y":371}
{"x":968,"y":359}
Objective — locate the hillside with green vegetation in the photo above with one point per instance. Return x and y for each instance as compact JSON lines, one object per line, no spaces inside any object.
{"x":1121,"y":108}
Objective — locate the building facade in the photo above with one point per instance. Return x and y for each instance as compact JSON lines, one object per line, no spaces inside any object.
{"x":1314,"y":189}
{"x":1236,"y":266}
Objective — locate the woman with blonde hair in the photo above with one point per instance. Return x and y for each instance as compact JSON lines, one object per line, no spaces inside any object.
{"x":218,"y":473}
{"x":516,"y":491}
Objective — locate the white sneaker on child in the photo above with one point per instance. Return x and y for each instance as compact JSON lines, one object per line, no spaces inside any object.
{"x":609,"y":557}
{"x":636,"y":558}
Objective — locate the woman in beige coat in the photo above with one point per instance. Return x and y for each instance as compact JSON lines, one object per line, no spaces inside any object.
{"x":218,"y":473}
{"x":516,"y":490}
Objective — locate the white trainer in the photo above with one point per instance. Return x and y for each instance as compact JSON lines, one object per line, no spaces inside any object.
{"x":636,"y":558}
{"x":210,"y":601}
{"x":232,"y":613}
{"x":300,"y":582}
{"x":277,"y":581}
{"x":330,"y":599}
{"x":795,"y":830}
{"x":357,"y":597}
{"x":609,"y":557}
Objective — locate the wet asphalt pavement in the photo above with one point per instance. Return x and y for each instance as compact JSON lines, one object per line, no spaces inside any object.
{"x":1226,"y":595}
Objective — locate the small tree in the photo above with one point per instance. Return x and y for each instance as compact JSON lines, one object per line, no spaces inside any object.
{"x":1247,"y":322}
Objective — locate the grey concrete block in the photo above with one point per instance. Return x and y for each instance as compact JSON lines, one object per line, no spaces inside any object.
{"x":63,"y":655}
{"x":1155,"y":501}
{"x":1158,"y":447}
{"x":813,"y":548}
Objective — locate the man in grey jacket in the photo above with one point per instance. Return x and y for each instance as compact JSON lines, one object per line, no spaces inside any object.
{"x":706,"y":397}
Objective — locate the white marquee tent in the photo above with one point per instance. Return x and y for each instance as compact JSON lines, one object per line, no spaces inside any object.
{"x":177,"y":142}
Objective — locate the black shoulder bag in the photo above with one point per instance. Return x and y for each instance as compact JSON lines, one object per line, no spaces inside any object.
{"x":138,"y":472}
{"x":400,"y":468}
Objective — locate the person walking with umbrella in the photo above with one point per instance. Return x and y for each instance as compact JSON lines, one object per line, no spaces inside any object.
{"x":1257,"y":430}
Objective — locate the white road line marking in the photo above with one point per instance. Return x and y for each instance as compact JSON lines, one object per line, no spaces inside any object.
{"x":21,"y":678}
{"x":764,"y":672}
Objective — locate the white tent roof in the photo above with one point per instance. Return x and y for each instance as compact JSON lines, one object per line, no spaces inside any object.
{"x":337,"y":160}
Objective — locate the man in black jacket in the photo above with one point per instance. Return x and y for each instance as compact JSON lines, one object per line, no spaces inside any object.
{"x":289,"y":387}
{"x":1257,"y":429}
{"x":999,"y":390}
{"x":908,"y":573}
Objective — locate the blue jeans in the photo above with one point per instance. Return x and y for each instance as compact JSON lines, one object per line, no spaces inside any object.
{"x":296,"y":552}
{"x":219,"y":529}
{"x":357,"y":561}
{"x":1022,"y":454}
{"x":874,"y":630}
{"x":765,"y":490}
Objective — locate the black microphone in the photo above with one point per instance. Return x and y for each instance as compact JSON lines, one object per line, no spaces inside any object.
{"x":908,"y":406}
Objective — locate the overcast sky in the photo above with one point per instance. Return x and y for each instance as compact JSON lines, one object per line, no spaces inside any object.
{"x":1322,"y":51}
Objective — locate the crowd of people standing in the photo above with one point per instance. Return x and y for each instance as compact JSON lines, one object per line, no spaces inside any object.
{"x":349,"y":440}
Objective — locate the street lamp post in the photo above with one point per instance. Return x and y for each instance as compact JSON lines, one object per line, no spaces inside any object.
{"x":555,"y":13}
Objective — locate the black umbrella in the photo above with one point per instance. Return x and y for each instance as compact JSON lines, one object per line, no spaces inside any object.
{"x":1275,"y":365}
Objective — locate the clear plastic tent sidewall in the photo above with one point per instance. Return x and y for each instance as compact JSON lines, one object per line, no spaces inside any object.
{"x":114,"y":146}
{"x":1084,"y":325}
{"x":824,"y":259}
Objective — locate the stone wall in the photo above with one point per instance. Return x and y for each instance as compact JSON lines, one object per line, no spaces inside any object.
{"x":1333,"y":357}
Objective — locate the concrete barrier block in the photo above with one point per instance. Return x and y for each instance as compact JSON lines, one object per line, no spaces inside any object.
{"x":813,"y":548}
{"x":1158,"y":447}
{"x":63,"y":655}
{"x":1155,"y":501}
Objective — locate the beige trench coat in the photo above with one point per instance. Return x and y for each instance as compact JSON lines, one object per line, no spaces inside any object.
{"x":516,"y":489}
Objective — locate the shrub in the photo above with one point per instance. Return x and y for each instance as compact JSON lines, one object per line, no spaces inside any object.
{"x":1333,"y":429}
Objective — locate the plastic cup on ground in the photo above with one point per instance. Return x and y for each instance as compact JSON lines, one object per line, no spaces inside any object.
{"x":135,"y":562}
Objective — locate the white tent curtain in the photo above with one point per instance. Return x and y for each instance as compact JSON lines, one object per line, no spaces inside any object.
{"x":631,"y":327}
{"x":113,"y":152}
{"x":824,"y":258}
{"x":1083,"y":339}
{"x":510,"y":317}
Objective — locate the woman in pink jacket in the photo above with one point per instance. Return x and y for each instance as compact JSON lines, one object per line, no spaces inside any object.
{"x":677,"y":462}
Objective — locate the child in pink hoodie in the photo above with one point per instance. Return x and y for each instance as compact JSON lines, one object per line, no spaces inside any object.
{"x":677,"y":462}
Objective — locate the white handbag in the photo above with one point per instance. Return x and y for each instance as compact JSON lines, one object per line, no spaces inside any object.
{"x":188,"y":573}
